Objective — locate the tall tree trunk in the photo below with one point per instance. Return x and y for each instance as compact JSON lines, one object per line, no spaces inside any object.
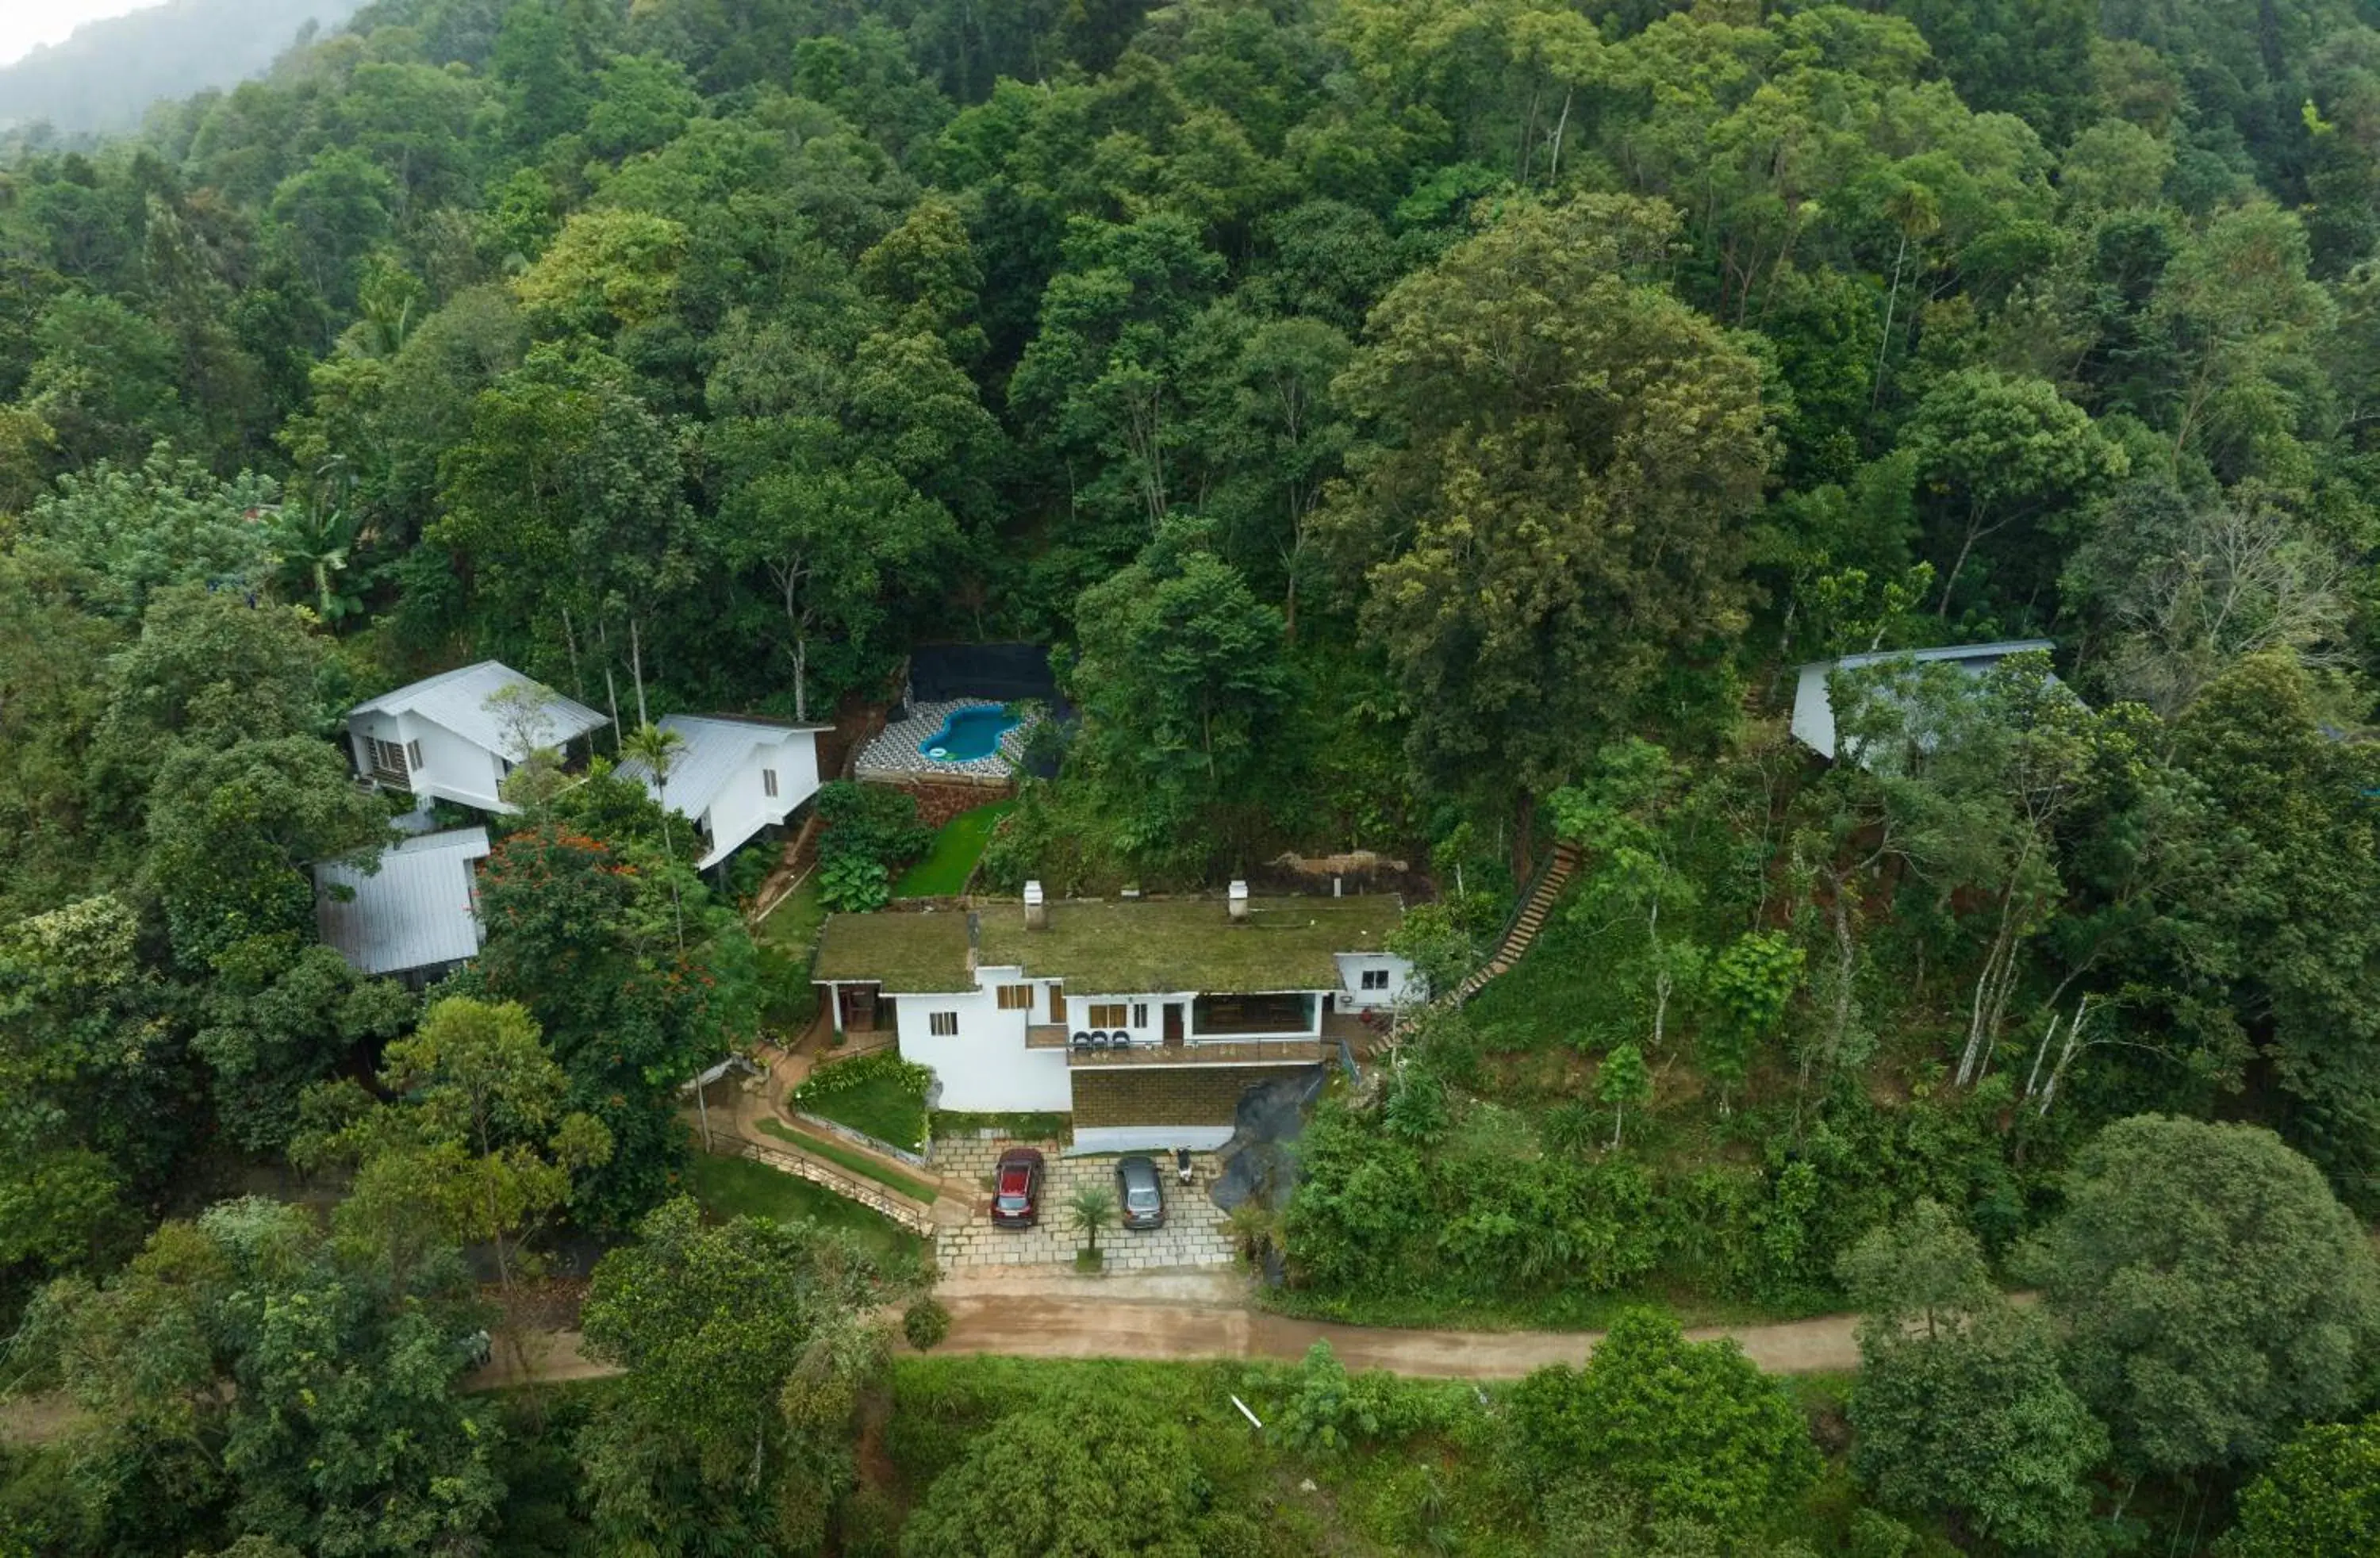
{"x":1875,"y":387}
{"x":637,"y":667}
{"x":570,"y":642}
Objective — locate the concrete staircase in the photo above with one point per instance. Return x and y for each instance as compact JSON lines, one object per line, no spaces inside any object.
{"x":1525,"y":924}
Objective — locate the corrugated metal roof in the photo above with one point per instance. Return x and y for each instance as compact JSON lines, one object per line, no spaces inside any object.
{"x":713,"y":747}
{"x":458,"y":700}
{"x":415,"y":912}
{"x":1813,"y":704}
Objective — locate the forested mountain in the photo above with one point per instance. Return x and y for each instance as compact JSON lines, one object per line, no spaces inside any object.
{"x":1437,"y":427}
{"x":106,"y":75}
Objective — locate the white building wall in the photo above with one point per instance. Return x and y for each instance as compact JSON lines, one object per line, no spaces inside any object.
{"x":1353,"y":997}
{"x":1150,"y":1138}
{"x":744,"y":806}
{"x":985,"y":1067}
{"x":452,"y":767}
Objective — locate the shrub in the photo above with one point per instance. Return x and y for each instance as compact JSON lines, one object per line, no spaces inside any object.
{"x":872,"y":823}
{"x":1323,"y":1415}
{"x":1694,"y":1428}
{"x":854,"y":885}
{"x":925,"y":1323}
{"x":847,"y":1075}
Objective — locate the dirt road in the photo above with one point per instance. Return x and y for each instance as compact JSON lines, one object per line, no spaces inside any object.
{"x":1170,"y":1317}
{"x":1026,"y":1324}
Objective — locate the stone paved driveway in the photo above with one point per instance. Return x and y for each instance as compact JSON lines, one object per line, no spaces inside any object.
{"x":1193,"y":1235}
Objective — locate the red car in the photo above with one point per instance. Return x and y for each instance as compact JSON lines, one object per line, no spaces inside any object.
{"x":1016,"y":1189}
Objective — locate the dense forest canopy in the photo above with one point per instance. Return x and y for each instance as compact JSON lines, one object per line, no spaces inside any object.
{"x":1439,"y":426}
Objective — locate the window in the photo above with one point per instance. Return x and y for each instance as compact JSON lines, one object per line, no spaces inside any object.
{"x":413,"y":753}
{"x":769,"y":783}
{"x":1107,"y":1014}
{"x":387,"y":756}
{"x":1141,"y":1014}
{"x":943,"y":1024}
{"x":1376,"y":979}
{"x":1016,"y":998}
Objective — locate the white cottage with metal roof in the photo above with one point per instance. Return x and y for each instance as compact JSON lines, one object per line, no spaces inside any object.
{"x":730,"y":777}
{"x":456,"y":736}
{"x":1814,"y":706}
{"x":416,"y":916}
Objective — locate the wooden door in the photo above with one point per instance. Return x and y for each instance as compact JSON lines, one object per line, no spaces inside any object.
{"x":1058,"y":1005}
{"x":1173,"y":1025}
{"x":859,"y":1009}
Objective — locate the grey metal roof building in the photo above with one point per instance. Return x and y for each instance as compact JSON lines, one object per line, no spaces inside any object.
{"x":458,"y":700}
{"x":1814,"y":708}
{"x":419,"y":910}
{"x":714,"y":748}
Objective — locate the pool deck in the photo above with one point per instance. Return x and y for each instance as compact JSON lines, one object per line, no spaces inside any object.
{"x":894,"y":754}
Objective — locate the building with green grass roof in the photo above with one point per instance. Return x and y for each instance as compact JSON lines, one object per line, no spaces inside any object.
{"x":1145,"y":1018}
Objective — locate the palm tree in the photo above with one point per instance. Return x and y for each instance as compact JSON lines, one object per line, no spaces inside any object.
{"x":1092,"y":1210}
{"x":657,"y":749}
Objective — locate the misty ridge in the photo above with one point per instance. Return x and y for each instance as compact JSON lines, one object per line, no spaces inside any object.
{"x":106,"y":75}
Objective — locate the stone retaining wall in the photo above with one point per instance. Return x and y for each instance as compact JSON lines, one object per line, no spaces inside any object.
{"x":1187,"y":1095}
{"x":914,"y":1215}
{"x":859,"y":1138}
{"x":939,"y":801}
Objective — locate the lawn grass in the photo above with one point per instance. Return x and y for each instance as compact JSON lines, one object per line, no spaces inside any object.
{"x":740,"y":1188}
{"x":1059,"y":1128}
{"x":783,"y":942}
{"x":851,"y":1158}
{"x":883,"y":1108}
{"x":943,"y":873}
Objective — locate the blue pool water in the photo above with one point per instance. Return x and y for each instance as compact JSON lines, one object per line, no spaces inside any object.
{"x":968,"y":733}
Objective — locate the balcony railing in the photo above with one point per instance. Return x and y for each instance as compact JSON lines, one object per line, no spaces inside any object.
{"x":1209,"y":1051}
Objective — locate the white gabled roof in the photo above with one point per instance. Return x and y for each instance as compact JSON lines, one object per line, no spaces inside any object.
{"x":714,"y":749}
{"x":458,"y":700}
{"x":415,"y":912}
{"x":1814,"y":708}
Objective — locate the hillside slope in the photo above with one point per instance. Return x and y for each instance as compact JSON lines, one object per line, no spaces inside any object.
{"x":106,"y":75}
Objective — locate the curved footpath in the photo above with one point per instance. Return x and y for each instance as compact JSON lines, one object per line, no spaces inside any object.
{"x":1162,"y":1317}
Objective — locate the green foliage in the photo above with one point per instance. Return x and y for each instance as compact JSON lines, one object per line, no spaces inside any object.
{"x":2209,"y":1289}
{"x":1181,"y":681}
{"x":1692,"y":1427}
{"x":2319,"y":1497}
{"x":259,"y":1377}
{"x":1749,"y":986}
{"x":1090,"y":1211}
{"x":871,"y":823}
{"x":925,"y":1323}
{"x":1958,"y":1407}
{"x":748,"y":1346}
{"x":1084,"y":1475}
{"x":1327,"y":1412}
{"x":851,"y":885}
{"x":583,"y":935}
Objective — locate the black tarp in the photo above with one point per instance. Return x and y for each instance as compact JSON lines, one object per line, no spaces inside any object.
{"x":998,"y":673}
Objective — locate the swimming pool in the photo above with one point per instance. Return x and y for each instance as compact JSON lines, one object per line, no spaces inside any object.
{"x":968,"y":733}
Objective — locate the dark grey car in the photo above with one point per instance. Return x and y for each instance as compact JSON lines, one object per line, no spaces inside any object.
{"x":1138,"y":1193}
